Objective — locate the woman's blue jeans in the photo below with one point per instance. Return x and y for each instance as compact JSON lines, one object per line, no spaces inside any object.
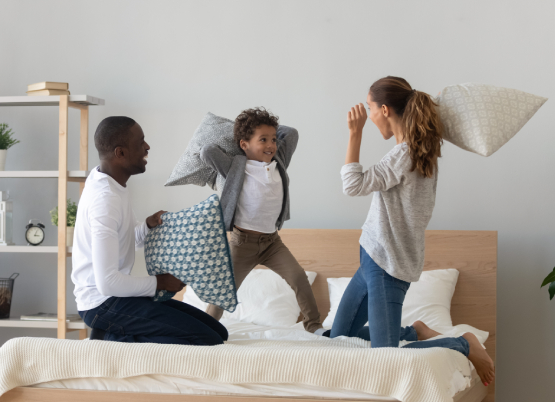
{"x":139,"y":319}
{"x":376,"y":297}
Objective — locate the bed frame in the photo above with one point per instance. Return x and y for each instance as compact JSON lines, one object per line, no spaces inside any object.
{"x":335,"y":253}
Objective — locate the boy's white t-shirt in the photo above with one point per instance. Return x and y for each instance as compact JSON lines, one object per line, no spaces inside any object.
{"x":105,"y":238}
{"x":261,"y":198}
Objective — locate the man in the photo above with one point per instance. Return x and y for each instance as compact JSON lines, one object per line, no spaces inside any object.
{"x":116,"y":305}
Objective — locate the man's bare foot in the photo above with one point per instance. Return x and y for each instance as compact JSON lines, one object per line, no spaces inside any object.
{"x":480,"y":359}
{"x":423,"y":331}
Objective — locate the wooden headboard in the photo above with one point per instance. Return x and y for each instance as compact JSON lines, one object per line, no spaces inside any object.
{"x":334,"y":253}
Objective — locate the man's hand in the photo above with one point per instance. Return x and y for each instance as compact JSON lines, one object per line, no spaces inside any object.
{"x":154,"y":220}
{"x":169,"y":282}
{"x":356,"y":119}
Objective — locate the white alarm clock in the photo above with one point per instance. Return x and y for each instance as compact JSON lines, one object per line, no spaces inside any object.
{"x":35,"y":233}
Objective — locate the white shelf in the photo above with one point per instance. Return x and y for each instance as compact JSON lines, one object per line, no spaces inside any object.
{"x":48,"y":100}
{"x":17,"y":323}
{"x":32,"y":249}
{"x":29,"y":174}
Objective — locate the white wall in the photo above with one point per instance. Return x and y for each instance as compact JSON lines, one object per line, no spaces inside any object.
{"x":167,"y":63}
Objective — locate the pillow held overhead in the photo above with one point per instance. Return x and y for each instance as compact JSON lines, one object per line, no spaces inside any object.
{"x":190,"y":169}
{"x":192,"y":246}
{"x":482,"y":118}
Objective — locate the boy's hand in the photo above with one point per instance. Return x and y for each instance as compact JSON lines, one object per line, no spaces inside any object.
{"x":154,"y":220}
{"x":169,"y":282}
{"x":356,"y":119}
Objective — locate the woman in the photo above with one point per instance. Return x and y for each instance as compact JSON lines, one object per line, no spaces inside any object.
{"x":392,"y":242}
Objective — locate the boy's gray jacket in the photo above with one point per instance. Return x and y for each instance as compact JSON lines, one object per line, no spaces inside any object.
{"x":232,"y":169}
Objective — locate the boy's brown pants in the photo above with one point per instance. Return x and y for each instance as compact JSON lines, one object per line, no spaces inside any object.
{"x":249,"y":250}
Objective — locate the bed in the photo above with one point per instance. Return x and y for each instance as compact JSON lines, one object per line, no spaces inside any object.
{"x":334,"y":253}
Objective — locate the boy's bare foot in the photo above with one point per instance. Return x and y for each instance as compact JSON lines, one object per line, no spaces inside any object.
{"x":480,"y":359}
{"x":423,"y":331}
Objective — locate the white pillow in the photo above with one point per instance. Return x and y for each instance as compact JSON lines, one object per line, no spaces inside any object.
{"x":482,"y":118}
{"x":264,"y":299}
{"x":428,"y":300}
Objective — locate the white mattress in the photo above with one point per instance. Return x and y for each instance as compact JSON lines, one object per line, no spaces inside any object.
{"x":197,"y":386}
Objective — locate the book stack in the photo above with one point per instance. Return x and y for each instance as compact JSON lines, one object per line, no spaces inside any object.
{"x":48,"y":88}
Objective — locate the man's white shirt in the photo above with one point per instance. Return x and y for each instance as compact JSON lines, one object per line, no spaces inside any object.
{"x":105,"y":238}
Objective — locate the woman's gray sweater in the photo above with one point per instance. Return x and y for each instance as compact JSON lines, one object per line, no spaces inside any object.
{"x":394,"y":231}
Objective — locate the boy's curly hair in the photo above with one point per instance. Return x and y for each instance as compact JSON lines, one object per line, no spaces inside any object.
{"x":248,"y":120}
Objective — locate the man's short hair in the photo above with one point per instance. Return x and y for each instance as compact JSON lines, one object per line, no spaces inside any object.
{"x":248,"y":120}
{"x":112,"y":132}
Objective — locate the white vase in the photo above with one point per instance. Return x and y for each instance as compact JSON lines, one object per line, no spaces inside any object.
{"x":3,"y":153}
{"x":69,"y":236}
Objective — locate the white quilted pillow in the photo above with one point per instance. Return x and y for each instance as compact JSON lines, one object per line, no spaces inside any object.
{"x":482,"y":118}
{"x":428,"y":300}
{"x":264,"y":299}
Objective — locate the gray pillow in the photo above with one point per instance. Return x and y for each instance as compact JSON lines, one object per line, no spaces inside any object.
{"x":190,"y":169}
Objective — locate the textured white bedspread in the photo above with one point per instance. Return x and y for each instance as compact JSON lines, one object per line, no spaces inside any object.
{"x":262,"y":357}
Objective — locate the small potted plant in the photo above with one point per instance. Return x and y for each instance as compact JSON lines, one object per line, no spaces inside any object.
{"x":6,"y":141}
{"x":551,"y":280}
{"x":71,"y":216}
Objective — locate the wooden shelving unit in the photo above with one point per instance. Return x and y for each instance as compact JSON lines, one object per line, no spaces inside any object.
{"x":64,"y":176}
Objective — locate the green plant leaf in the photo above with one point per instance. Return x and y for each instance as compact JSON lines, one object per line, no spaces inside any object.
{"x":551,"y":290}
{"x":6,"y":137}
{"x":71,"y":214}
{"x":549,"y":278}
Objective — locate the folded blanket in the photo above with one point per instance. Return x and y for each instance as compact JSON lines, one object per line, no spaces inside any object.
{"x":410,"y":375}
{"x":192,"y":246}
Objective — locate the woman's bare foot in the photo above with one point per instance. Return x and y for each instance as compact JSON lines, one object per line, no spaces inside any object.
{"x":480,"y":359}
{"x":423,"y":331}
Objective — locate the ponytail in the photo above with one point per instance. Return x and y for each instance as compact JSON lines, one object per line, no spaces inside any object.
{"x":422,"y":128}
{"x":423,"y":132}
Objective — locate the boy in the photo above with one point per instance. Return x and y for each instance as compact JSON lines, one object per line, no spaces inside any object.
{"x":255,"y":202}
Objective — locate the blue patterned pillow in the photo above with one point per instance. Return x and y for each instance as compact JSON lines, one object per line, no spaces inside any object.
{"x":192,"y":246}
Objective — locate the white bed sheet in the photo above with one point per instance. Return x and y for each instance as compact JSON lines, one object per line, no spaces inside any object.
{"x":241,"y":331}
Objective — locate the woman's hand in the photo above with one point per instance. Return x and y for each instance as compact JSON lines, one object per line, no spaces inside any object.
{"x":356,"y":119}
